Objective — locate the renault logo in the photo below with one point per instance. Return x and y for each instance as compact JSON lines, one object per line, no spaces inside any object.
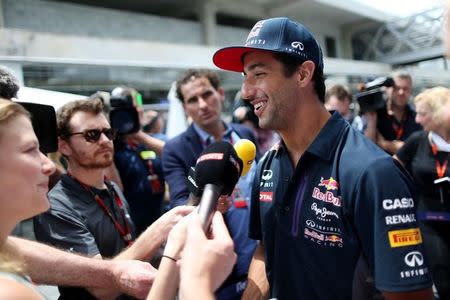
{"x":414,"y":259}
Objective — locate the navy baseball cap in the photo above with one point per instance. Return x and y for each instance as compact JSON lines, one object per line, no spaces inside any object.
{"x":280,"y":35}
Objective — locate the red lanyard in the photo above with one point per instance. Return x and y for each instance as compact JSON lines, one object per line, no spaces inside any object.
{"x":399,"y":129}
{"x":124,"y":231}
{"x":440,"y":168}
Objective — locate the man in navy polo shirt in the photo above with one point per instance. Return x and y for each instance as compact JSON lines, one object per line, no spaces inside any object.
{"x":326,"y":199}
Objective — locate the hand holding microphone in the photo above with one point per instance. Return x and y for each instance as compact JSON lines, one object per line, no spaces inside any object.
{"x":218,"y":170}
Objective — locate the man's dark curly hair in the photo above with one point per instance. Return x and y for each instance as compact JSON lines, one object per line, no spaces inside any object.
{"x":192,"y":74}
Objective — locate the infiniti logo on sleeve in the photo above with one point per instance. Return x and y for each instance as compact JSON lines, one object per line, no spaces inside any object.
{"x":414,"y":259}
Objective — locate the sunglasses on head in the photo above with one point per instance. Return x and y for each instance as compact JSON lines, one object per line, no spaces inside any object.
{"x":93,"y":135}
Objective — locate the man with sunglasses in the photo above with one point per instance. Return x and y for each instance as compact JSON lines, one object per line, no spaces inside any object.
{"x":88,"y":213}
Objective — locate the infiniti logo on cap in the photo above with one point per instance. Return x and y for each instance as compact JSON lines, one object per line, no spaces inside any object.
{"x":298,"y":45}
{"x":414,"y":259}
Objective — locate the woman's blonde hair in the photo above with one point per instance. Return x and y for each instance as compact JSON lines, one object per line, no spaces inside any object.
{"x":434,"y":99}
{"x":10,"y":110}
{"x":9,"y":261}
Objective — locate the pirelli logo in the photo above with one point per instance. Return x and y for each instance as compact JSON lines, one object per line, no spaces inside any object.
{"x":405,"y":237}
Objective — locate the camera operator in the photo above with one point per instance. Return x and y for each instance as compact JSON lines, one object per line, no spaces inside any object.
{"x":390,"y":126}
{"x":136,"y":158}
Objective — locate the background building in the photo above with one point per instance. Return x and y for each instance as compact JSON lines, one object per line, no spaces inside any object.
{"x":81,"y":46}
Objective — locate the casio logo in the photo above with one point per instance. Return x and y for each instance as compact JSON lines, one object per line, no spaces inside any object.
{"x":390,"y":204}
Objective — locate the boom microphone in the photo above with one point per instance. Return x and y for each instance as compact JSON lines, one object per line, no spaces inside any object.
{"x":218,"y":169}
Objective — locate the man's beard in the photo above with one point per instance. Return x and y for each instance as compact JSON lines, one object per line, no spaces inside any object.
{"x":93,"y":162}
{"x":96,"y":164}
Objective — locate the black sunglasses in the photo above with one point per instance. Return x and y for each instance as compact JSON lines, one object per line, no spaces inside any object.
{"x":93,"y":135}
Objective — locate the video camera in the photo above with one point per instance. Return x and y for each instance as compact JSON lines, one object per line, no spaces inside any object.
{"x":121,"y":109}
{"x":373,"y":97}
{"x":43,"y":119}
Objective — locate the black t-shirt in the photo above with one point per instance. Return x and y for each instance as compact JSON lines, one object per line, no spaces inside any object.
{"x":391,"y":129}
{"x":420,"y":161}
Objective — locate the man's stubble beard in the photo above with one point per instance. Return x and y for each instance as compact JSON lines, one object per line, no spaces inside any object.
{"x":93,"y":164}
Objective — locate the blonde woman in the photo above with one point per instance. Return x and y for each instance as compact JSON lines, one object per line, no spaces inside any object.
{"x":426,"y":155}
{"x":23,"y":187}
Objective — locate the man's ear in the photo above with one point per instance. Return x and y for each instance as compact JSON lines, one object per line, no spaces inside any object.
{"x":63,"y":147}
{"x":221,"y":91}
{"x":305,"y":72}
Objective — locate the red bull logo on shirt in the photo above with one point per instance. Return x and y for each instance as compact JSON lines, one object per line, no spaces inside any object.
{"x":333,"y":238}
{"x":330,"y":184}
{"x":326,"y":197}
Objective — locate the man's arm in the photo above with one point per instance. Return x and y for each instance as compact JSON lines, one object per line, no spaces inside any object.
{"x":371,"y":129}
{"x":389,"y":146}
{"x":150,"y":142}
{"x":257,"y":285}
{"x":49,"y":265}
{"x":426,"y":294}
{"x":151,"y":239}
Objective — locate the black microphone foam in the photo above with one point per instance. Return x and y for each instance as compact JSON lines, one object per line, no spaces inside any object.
{"x":218,"y":164}
{"x":195,"y":192}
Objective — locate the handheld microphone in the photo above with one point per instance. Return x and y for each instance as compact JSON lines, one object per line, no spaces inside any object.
{"x":195,"y":192}
{"x":246,"y":151}
{"x":218,"y":169}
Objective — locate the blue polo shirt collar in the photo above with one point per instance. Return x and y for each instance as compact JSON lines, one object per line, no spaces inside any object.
{"x":324,"y":145}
